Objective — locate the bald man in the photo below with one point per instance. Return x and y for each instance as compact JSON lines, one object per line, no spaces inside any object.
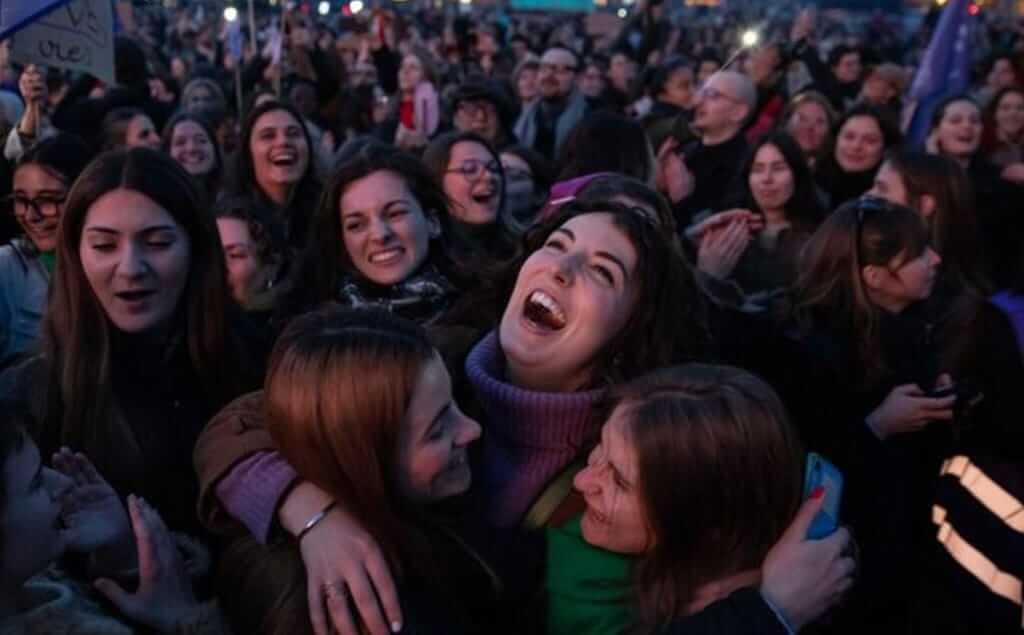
{"x":723,"y":105}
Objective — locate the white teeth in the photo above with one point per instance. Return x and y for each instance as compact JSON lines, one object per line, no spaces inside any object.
{"x":389,"y":254}
{"x":549,"y":303}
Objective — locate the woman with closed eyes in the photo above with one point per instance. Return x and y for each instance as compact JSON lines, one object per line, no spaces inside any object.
{"x":138,"y":344}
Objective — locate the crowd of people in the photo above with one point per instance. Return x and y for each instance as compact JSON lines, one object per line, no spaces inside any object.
{"x":430,"y":321}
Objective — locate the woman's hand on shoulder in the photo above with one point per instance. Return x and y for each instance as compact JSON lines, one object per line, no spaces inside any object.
{"x":345,"y":567}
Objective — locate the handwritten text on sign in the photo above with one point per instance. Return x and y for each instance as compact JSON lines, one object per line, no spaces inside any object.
{"x":79,"y":36}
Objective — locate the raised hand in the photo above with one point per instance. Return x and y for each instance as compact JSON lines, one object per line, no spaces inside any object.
{"x":720,"y":250}
{"x":93,"y":514}
{"x":164,"y":599}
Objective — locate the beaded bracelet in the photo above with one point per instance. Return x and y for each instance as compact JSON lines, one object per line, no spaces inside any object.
{"x":312,"y":522}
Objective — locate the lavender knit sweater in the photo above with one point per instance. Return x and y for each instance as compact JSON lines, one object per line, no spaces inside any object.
{"x":529,"y":437}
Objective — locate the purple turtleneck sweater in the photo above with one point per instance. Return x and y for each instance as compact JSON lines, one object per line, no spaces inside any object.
{"x":529,"y":437}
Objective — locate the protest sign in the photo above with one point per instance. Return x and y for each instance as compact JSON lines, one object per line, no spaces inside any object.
{"x":78,"y":36}
{"x":16,"y":14}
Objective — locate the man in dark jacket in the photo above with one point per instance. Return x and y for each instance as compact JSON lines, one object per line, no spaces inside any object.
{"x":723,"y":106}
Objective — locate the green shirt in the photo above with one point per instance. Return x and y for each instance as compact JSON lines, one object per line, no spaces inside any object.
{"x":49,"y":259}
{"x":587,"y":587}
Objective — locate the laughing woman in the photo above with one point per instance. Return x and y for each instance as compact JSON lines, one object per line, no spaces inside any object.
{"x":42,"y":179}
{"x":190,"y":141}
{"x":471,"y":173}
{"x":274,"y":163}
{"x":137,"y":347}
{"x":602,"y":297}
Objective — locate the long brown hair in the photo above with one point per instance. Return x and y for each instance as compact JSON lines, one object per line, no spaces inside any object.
{"x":953,"y":226}
{"x":830,"y":288}
{"x":338,"y":386}
{"x":721,"y":437}
{"x":78,"y":396}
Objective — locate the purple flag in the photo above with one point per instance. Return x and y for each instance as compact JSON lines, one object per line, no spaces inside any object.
{"x":945,"y":68}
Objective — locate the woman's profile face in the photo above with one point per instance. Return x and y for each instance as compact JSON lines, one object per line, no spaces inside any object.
{"x":433,"y":462}
{"x":246,"y":274}
{"x":141,"y":133}
{"x":614,"y":519}
{"x":136,"y":258}
{"x":30,"y":524}
{"x":385,"y":229}
{"x":572,"y":297}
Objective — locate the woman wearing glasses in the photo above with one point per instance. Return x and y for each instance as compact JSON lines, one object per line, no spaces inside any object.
{"x":868,"y":393}
{"x":470,"y":172}
{"x":41,"y":183}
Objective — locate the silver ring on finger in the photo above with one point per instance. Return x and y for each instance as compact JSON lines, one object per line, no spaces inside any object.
{"x":337,"y":590}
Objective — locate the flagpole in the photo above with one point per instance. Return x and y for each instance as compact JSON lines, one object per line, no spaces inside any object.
{"x":238,"y":90}
{"x":252,"y":26}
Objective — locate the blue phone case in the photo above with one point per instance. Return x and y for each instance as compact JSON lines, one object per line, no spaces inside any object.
{"x":821,"y":472}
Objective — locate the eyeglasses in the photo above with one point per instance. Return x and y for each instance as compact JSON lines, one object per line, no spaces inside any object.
{"x":47,"y":206}
{"x":473,"y":169}
{"x":558,"y":69}
{"x":474,"y":109}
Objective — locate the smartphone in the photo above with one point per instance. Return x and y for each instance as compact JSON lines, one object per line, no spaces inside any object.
{"x":822,"y":473}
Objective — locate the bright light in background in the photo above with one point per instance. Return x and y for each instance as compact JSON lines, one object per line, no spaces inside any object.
{"x":465,"y":1}
{"x":231,"y":14}
{"x":356,"y":6}
{"x":324,"y":8}
{"x":750,"y":38}
{"x":623,"y":13}
{"x":940,"y":2}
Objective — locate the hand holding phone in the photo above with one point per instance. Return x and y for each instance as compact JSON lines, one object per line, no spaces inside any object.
{"x":821,"y":473}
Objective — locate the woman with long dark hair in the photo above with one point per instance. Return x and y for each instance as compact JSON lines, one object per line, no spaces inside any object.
{"x":776,"y":185}
{"x":138,"y":342}
{"x":862,"y":137}
{"x":275,"y":165}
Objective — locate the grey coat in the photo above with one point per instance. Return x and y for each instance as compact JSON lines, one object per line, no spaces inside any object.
{"x":526,"y":125}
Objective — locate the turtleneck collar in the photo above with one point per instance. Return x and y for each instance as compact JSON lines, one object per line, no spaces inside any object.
{"x":531,"y":436}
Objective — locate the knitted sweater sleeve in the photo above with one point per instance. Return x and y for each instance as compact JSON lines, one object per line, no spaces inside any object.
{"x":242,"y":478}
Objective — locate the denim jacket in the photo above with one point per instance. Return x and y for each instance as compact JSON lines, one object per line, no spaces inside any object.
{"x":23,"y":287}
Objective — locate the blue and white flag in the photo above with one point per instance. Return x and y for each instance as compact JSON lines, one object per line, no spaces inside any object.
{"x":17,"y":14}
{"x":944,"y":70}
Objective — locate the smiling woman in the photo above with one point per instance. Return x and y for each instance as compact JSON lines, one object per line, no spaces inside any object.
{"x":191,"y":141}
{"x":274,"y":164}
{"x":41,"y":183}
{"x":137,"y":345}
